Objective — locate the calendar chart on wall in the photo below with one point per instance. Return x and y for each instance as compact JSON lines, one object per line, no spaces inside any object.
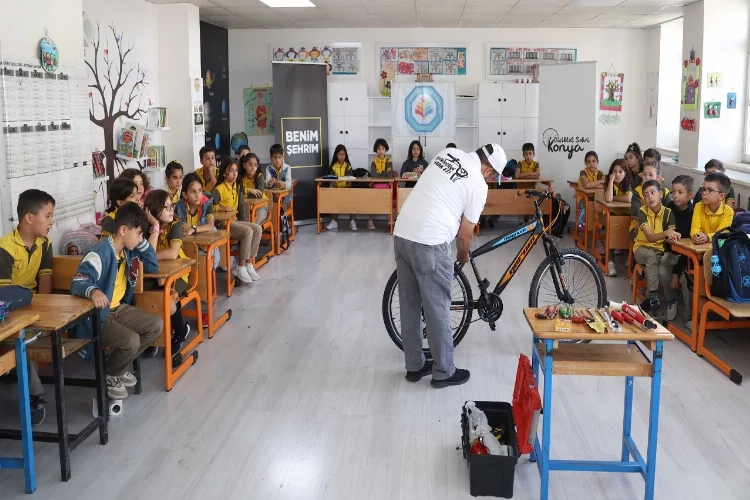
{"x":521,"y":61}
{"x":45,"y":139}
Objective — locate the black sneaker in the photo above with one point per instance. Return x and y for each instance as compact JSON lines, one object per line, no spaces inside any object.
{"x":38,"y":412}
{"x":491,"y":222}
{"x":481,"y":222}
{"x":150,"y":352}
{"x":459,"y":377}
{"x":417,"y":376}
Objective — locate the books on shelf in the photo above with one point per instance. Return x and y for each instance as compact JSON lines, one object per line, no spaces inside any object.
{"x":156,"y":118}
{"x":156,"y":158}
{"x":134,"y":141}
{"x":97,"y":160}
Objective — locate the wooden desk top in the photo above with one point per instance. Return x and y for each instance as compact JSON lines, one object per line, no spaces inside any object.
{"x":169,"y":268}
{"x":256,"y":201}
{"x":545,"y":329}
{"x":222,"y":216}
{"x":687,"y":244}
{"x":294,"y":182}
{"x":614,"y":204}
{"x":592,"y":191}
{"x":524,"y":181}
{"x":16,"y":321}
{"x":57,"y":311}
{"x":278,"y":191}
{"x":365,"y":179}
{"x":205,"y":239}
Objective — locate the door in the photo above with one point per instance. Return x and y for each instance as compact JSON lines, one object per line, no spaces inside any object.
{"x":531,"y":132}
{"x":356,"y":133}
{"x":336,"y":94}
{"x":336,"y":128}
{"x":490,"y":130}
{"x":532,"y":100}
{"x":355,"y":98}
{"x":490,"y":99}
{"x":513,"y":133}
{"x":514,"y":100}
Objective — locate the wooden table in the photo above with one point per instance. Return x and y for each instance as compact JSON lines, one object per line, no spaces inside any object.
{"x":208,"y":242}
{"x":355,"y":200}
{"x":14,"y":327}
{"x":59,"y":314}
{"x":626,"y":358}
{"x":276,"y":196}
{"x":694,"y":254}
{"x":508,"y":202}
{"x":226,"y":253}
{"x":169,"y":272}
{"x":585,"y":197}
{"x":616,"y":229}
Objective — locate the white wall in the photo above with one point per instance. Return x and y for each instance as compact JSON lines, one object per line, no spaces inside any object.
{"x":692,"y":29}
{"x":22,"y":25}
{"x":625,"y":49}
{"x":653,"y":57}
{"x":670,"y":79}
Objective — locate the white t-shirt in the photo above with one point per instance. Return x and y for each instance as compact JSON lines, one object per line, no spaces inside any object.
{"x":451,"y":186}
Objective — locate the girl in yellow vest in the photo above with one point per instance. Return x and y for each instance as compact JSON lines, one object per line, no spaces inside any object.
{"x":253,"y":182}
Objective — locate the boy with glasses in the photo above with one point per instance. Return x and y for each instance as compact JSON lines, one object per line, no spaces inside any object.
{"x":712,"y":213}
{"x":715,"y":166}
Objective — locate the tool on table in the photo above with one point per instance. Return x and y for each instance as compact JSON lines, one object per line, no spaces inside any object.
{"x":549,"y":313}
{"x":613,"y":321}
{"x":638,"y":317}
{"x":566,"y":311}
{"x":597,"y":324}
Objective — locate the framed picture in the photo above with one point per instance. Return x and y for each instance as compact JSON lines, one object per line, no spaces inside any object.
{"x":731,"y":100}
{"x":691,"y":76}
{"x":610,"y":91}
{"x":712,"y":109}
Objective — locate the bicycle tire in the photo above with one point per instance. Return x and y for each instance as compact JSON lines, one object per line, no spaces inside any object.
{"x":573,"y":254}
{"x":388,"y":316}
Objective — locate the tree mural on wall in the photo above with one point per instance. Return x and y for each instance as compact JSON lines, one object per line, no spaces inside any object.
{"x":112,"y":75}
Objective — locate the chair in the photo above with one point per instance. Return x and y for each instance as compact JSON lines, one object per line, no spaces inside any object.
{"x":270,"y":237}
{"x":639,"y":284}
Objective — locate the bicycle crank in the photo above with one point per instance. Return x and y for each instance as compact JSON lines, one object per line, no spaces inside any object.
{"x":490,"y":308}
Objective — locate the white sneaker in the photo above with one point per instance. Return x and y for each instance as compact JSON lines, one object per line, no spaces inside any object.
{"x":370,"y":224}
{"x":251,"y":271}
{"x":332,"y":225}
{"x":353,"y":225}
{"x":115,"y":389}
{"x":128,"y":379}
{"x":611,"y":271}
{"x":671,"y":310}
{"x":232,"y":262}
{"x":240,"y":272}
{"x":600,"y":247}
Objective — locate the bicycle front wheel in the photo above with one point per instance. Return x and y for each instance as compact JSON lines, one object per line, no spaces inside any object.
{"x":460,"y":316}
{"x":582,"y":277}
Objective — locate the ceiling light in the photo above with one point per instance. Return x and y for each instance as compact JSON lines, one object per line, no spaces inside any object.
{"x":276,"y":4}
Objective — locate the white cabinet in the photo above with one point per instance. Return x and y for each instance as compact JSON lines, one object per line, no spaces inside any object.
{"x":509,"y":116}
{"x":348,"y":120}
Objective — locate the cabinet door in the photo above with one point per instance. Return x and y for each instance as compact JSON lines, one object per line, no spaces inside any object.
{"x":513,"y":133}
{"x":490,"y":130}
{"x":532,"y":100}
{"x":355,"y":99}
{"x":336,"y":128}
{"x":531,"y":132}
{"x":514,"y":100}
{"x":336,"y":94}
{"x":490,"y":99}
{"x":358,"y":158}
{"x":356,"y":133}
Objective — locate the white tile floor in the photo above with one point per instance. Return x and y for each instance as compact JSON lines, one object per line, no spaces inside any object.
{"x":301,"y":396}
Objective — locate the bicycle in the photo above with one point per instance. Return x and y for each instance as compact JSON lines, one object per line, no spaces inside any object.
{"x":489,"y":306}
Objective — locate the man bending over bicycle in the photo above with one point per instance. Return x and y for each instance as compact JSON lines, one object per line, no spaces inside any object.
{"x":445,"y":204}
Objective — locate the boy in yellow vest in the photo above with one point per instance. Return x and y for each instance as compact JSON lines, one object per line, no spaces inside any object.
{"x":712,"y":213}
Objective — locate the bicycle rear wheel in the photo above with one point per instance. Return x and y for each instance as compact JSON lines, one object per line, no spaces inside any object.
{"x":461,"y":311}
{"x":583,"y":278}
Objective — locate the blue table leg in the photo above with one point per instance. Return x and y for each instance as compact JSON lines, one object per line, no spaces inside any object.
{"x":546,"y":419}
{"x":535,"y":367}
{"x":27,"y":443}
{"x":627,"y":416}
{"x":653,"y":421}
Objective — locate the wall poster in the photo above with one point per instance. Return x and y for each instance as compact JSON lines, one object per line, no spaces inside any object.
{"x":520,"y":61}
{"x":258,"y":111}
{"x":344,"y":58}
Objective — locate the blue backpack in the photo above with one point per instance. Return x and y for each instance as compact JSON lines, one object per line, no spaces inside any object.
{"x":730,"y":265}
{"x":741,"y":221}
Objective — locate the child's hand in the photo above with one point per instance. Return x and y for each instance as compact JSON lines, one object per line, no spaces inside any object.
{"x":674,"y":283}
{"x":672,"y":235}
{"x":255,"y":192}
{"x":186,"y":230}
{"x":151,"y":219}
{"x":228,"y":209}
{"x":700,"y":239}
{"x":419,"y":170}
{"x":271,"y":182}
{"x":99,"y":299}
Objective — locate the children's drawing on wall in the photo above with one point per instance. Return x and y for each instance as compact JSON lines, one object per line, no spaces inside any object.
{"x":258,"y":111}
{"x":691,"y":74}
{"x":610,"y":96}
{"x":715,"y":80}
{"x":731,"y":100}
{"x":118,"y":87}
{"x":712,"y":109}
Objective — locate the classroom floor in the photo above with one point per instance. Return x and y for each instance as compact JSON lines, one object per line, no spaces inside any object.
{"x":302,"y":396}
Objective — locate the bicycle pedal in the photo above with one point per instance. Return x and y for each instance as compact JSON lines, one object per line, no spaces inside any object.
{"x":492,"y":326}
{"x":485,"y":283}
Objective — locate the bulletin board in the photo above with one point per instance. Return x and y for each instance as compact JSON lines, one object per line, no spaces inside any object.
{"x":440,"y":61}
{"x":45,"y":136}
{"x":507,"y":62}
{"x":344,"y":58}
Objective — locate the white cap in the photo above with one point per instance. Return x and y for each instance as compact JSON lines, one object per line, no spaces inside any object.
{"x":496,"y":156}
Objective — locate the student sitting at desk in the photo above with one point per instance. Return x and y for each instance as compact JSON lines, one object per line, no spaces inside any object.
{"x":528,"y":168}
{"x":380,"y":168}
{"x":26,"y":260}
{"x":166,"y":238}
{"x":208,"y":171}
{"x":672,"y":274}
{"x":651,"y":171}
{"x":253,"y":182}
{"x":279,"y":174}
{"x":711,"y":214}
{"x":634,"y":162}
{"x":107,"y":275}
{"x":120,"y":191}
{"x":591,"y":177}
{"x":341,"y":167}
{"x":619,"y":184}
{"x":715,"y":166}
{"x":174,"y":174}
{"x":415,"y":161}
{"x":141,"y":180}
{"x":228,"y":197}
{"x":656,"y":224}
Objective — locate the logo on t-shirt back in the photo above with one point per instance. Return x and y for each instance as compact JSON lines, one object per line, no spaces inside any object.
{"x":451,"y":166}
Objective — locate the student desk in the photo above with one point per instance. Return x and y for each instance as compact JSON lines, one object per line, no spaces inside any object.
{"x":276,"y":196}
{"x":12,"y":357}
{"x":227,"y":217}
{"x":355,"y":199}
{"x":585,"y":197}
{"x":616,"y":229}
{"x":694,"y":254}
{"x":57,"y":315}
{"x":626,"y":358}
{"x":508,"y":202}
{"x":207,"y":242}
{"x":402,"y":192}
{"x":169,"y":272}
{"x":252,"y":206}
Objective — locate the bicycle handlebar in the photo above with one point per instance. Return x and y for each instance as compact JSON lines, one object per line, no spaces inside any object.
{"x":543,"y":195}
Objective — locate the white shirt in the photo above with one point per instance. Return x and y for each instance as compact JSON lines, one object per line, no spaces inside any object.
{"x":451,"y":186}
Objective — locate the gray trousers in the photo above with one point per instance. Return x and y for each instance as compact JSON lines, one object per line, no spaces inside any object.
{"x":668,"y":262}
{"x":35,"y":385}
{"x":425,"y":276}
{"x":650,"y":259}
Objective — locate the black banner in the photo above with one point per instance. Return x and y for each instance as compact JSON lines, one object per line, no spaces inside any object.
{"x":300,"y":109}
{"x":215,"y":72}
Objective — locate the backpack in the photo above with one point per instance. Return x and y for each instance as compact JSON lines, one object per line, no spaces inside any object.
{"x":509,"y":172}
{"x":741,"y":221}
{"x":361,"y":173}
{"x":283,"y":230}
{"x":730,"y":265}
{"x":561,"y":209}
{"x":79,"y":241}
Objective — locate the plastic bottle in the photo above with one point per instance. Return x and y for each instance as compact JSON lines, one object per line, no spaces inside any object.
{"x":489,"y":440}
{"x":715,"y":266}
